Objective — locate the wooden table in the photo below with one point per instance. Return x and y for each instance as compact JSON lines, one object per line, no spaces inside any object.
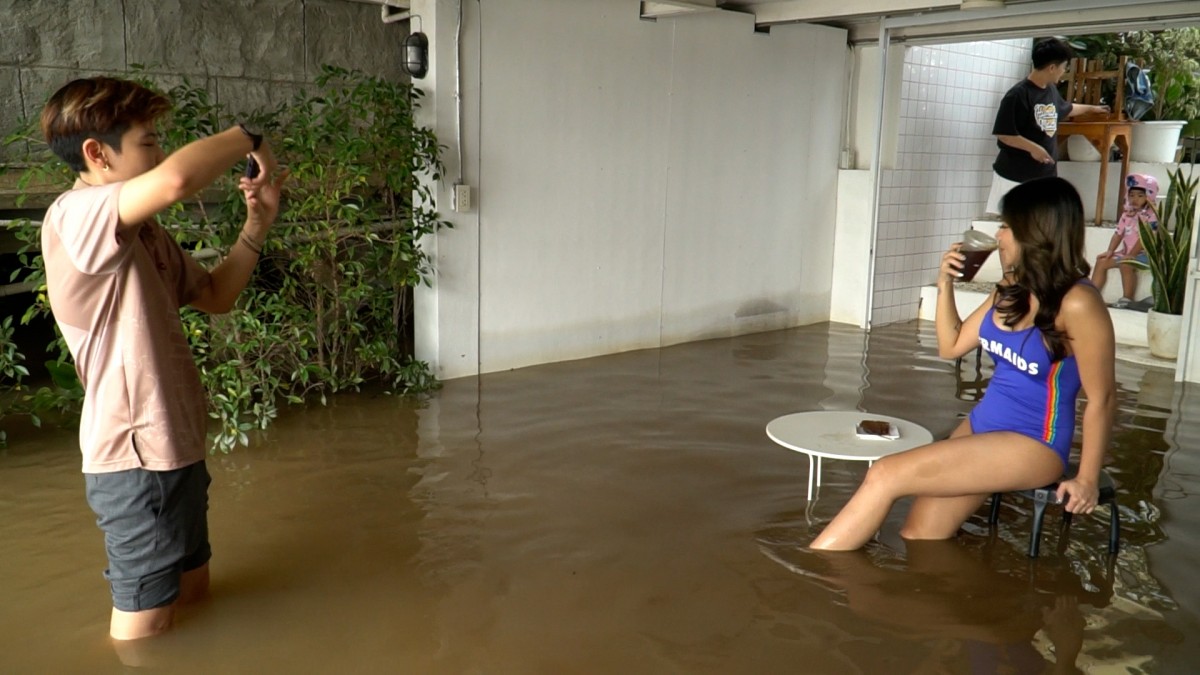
{"x":830,"y":434}
{"x":1102,"y":134}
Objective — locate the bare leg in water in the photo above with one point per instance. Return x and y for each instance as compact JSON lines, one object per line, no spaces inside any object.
{"x":951,"y":478}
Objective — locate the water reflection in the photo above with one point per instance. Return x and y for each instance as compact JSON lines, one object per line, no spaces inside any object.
{"x":982,"y":612}
{"x":618,"y":514}
{"x":972,"y":375}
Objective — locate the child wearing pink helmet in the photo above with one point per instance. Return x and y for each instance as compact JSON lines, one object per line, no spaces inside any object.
{"x":1126,"y":243}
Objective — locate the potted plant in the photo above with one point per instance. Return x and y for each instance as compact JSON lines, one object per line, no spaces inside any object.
{"x":1168,"y":252}
{"x":1172,"y":58}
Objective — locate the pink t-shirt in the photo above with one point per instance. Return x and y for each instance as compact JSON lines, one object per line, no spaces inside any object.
{"x":1127,"y":228}
{"x":116,"y":299}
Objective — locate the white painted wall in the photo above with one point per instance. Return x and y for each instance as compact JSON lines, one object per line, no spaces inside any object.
{"x":638,"y":183}
{"x":864,"y":106}
{"x":575,"y":123}
{"x":1188,"y":362}
{"x":936,"y":156}
{"x":852,"y":248}
{"x":751,"y":176}
{"x":942,"y":172}
{"x":446,"y":326}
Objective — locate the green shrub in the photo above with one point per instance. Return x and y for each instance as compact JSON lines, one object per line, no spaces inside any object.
{"x":329,"y":307}
{"x":11,"y":373}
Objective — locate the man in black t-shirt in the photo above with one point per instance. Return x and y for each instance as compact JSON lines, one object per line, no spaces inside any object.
{"x":1026,"y":127}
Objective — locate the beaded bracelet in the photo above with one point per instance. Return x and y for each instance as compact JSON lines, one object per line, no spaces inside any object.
{"x":250,"y":245}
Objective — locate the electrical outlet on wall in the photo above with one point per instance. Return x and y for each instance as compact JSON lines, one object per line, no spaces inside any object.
{"x":461,"y":199}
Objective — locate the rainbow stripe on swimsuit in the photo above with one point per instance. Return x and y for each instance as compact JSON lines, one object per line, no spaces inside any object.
{"x":1029,"y":393}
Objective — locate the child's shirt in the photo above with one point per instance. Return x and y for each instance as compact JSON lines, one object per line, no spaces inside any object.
{"x":1127,"y":227}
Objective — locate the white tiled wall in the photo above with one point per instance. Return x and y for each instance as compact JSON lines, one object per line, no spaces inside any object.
{"x":943,"y":164}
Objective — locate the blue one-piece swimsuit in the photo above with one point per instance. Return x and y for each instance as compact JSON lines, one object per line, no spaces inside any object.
{"x":1029,"y":393}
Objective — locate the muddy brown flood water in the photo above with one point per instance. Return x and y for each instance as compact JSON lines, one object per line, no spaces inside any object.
{"x":623,"y":514}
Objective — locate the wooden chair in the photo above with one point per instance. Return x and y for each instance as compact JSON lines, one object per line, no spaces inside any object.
{"x":1043,"y":497}
{"x":1085,"y":86}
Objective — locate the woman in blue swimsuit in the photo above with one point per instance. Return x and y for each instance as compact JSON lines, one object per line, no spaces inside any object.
{"x":1050,"y":334}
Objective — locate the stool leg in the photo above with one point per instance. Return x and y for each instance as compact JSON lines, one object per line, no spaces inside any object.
{"x":1114,"y":529}
{"x":994,"y":516}
{"x":1035,"y":536}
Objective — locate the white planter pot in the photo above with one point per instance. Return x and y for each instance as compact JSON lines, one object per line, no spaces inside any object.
{"x":1155,"y":141}
{"x":1162,"y":334}
{"x":1080,"y":150}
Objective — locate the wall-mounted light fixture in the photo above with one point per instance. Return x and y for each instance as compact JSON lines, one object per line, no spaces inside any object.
{"x":416,"y":55}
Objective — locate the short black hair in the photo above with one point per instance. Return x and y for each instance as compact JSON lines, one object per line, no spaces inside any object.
{"x":1051,"y":52}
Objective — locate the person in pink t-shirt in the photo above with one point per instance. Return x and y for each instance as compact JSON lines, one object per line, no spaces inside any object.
{"x":1126,"y":242}
{"x":116,"y":281}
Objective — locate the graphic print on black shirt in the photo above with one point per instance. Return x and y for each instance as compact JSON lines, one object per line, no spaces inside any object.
{"x":1031,"y":112}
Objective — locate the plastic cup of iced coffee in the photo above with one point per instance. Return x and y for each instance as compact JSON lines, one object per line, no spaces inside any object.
{"x":976,"y":247}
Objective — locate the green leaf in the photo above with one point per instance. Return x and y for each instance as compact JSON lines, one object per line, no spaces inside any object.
{"x":63,"y":375}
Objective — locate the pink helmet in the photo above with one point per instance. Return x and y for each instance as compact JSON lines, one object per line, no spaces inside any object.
{"x":1143,"y":182}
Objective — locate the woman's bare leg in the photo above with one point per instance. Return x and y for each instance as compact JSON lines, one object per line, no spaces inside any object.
{"x":959,"y":467}
{"x":962,"y":430}
{"x":933,"y":518}
{"x":939,"y":517}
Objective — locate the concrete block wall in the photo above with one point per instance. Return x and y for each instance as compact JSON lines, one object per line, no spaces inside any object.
{"x":246,"y":53}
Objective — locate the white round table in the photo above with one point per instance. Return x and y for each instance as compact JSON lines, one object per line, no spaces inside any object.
{"x":830,"y":434}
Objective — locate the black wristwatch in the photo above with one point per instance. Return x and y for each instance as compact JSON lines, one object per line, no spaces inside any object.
{"x":256,"y":139}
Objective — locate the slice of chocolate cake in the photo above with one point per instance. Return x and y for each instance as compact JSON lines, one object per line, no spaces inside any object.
{"x":874,"y":427}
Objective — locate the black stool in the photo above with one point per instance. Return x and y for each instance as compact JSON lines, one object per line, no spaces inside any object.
{"x":1042,"y":497}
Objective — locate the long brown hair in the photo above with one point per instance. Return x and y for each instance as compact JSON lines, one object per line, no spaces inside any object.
{"x":1046,"y":218}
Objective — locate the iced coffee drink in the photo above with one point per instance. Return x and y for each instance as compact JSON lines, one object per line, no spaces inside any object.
{"x":976,"y":248}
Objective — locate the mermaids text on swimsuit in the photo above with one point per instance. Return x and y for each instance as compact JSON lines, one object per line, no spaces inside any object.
{"x":1000,"y":351}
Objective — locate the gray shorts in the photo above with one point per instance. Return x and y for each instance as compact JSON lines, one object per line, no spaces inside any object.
{"x":155,"y":526}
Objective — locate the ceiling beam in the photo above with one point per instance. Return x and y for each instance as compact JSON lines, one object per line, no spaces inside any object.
{"x":811,"y":11}
{"x":1066,"y":17}
{"x":653,"y":9}
{"x":1027,"y":9}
